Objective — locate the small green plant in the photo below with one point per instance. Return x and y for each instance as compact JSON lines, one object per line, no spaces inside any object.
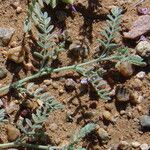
{"x":48,"y":51}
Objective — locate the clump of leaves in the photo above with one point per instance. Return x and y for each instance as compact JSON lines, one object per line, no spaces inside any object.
{"x":79,"y":136}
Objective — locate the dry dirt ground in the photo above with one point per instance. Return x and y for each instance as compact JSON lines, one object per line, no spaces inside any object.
{"x":84,"y":25}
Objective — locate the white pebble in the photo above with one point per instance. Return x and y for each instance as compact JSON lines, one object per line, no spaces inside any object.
{"x":140,"y":75}
{"x":144,"y":146}
{"x":135,"y":144}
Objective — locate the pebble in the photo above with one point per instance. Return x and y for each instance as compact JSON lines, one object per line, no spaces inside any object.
{"x":70,"y":84}
{"x":136,"y":99}
{"x":137,"y":84}
{"x":122,"y":112}
{"x":47,"y":82}
{"x":3,"y":73}
{"x":103,"y":134}
{"x":125,"y":68}
{"x":16,"y":54}
{"x":140,"y":26}
{"x":6,"y":35}
{"x":143,"y":48}
{"x":140,"y":75}
{"x":53,"y":127}
{"x":108,"y":116}
{"x":144,"y":146}
{"x":135,"y":144}
{"x":145,"y":121}
{"x":19,"y":10}
{"x":12,"y":107}
{"x":122,"y":94}
{"x":15,"y":4}
{"x":123,"y":145}
{"x":12,"y":132}
{"x":79,"y":48}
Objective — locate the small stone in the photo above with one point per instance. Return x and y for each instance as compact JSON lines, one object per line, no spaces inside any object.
{"x":136,"y":98}
{"x":109,"y":106}
{"x":12,"y":132}
{"x":140,"y":26}
{"x":16,"y":54}
{"x":12,"y":107}
{"x":15,"y":4}
{"x":123,"y":145}
{"x":3,"y":73}
{"x":145,"y":121}
{"x":47,"y":82}
{"x":144,"y":146}
{"x":125,"y":68}
{"x":55,"y":85}
{"x":122,"y":112}
{"x":137,"y":84}
{"x":53,"y":127}
{"x":79,"y":49}
{"x":139,"y":108}
{"x":108,"y":116}
{"x":122,"y":94}
{"x":19,"y":10}
{"x":13,"y":44}
{"x":5,"y":35}
{"x":103,"y":134}
{"x":143,"y":48}
{"x":140,"y":75}
{"x":70,"y":84}
{"x":135,"y":144}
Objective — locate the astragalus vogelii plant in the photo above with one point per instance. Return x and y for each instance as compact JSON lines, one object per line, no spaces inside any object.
{"x":49,"y":51}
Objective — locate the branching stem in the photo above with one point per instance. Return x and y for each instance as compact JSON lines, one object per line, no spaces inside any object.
{"x":45,"y":71}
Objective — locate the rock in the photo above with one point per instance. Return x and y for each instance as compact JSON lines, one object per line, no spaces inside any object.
{"x":143,"y":48}
{"x":140,"y":26}
{"x":125,"y":68}
{"x":103,"y":134}
{"x":47,"y":82}
{"x":16,"y":54}
{"x":140,"y":75}
{"x":79,"y":48}
{"x":19,"y":10}
{"x":12,"y":132}
{"x":123,"y":145}
{"x":136,"y":98}
{"x":70,"y":84}
{"x":143,"y":10}
{"x":145,"y":121}
{"x":108,"y":116}
{"x":3,"y":73}
{"x":122,"y":112}
{"x":144,"y":146}
{"x":12,"y":107}
{"x":135,"y":144}
{"x":15,"y":4}
{"x":122,"y":94}
{"x":5,"y":35}
{"x":53,"y":127}
{"x":137,"y":84}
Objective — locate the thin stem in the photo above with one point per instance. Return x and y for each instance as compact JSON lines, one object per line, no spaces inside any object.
{"x":45,"y":71}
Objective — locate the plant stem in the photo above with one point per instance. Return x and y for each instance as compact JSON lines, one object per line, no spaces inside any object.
{"x":45,"y":71}
{"x":15,"y":144}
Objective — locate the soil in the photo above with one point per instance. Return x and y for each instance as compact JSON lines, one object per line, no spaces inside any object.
{"x":84,"y":25}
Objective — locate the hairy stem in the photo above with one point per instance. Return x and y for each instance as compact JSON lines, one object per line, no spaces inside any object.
{"x":45,"y":71}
